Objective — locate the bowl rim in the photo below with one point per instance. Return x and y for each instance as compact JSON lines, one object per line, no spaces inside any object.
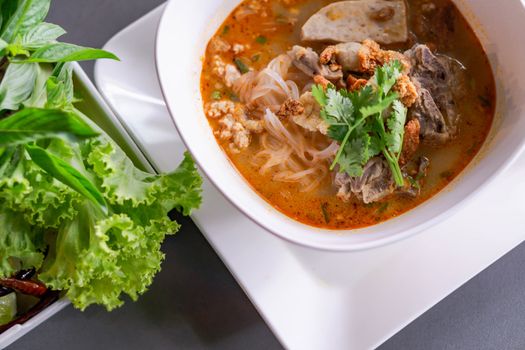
{"x":341,"y":246}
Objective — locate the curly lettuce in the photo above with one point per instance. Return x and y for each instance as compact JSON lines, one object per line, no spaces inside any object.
{"x":72,"y":204}
{"x":95,"y":257}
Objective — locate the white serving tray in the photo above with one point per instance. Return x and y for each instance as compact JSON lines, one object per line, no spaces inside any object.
{"x":312,"y":299}
{"x":96,"y":108}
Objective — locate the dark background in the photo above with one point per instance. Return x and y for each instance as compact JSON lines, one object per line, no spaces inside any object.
{"x":196,"y":304}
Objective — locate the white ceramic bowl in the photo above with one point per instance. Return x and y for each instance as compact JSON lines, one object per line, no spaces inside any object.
{"x":182,"y":36}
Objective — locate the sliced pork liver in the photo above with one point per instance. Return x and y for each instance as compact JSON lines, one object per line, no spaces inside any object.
{"x":384,"y":21}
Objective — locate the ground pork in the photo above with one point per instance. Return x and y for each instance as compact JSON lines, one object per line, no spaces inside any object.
{"x":410,"y":142}
{"x":371,"y":56}
{"x":234,"y":125}
{"x":407,"y":90}
{"x":228,"y":72}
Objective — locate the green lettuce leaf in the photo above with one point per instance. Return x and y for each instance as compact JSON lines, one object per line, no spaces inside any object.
{"x":17,"y":244}
{"x":25,"y":188}
{"x":57,"y":170}
{"x":96,"y":258}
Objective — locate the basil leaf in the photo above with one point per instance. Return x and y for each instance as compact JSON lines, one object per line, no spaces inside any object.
{"x":40,"y":35}
{"x":66,"y":174}
{"x":60,"y":90}
{"x":33,"y":124}
{"x":3,"y":45}
{"x":17,"y":85}
{"x":28,"y":14}
{"x":7,"y":9}
{"x":62,"y":52}
{"x":38,"y":97}
{"x":10,"y":159}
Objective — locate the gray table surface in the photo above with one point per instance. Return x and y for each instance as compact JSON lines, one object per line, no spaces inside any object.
{"x":196,"y":304}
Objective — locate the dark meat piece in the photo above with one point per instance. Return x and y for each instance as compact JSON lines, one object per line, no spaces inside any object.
{"x":440,"y":81}
{"x":375,"y":184}
{"x":307,"y":61}
{"x":433,"y":126}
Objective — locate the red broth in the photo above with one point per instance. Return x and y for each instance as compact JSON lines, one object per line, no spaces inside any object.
{"x":279,"y":24}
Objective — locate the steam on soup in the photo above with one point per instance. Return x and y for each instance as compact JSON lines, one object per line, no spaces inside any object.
{"x":346,"y":114}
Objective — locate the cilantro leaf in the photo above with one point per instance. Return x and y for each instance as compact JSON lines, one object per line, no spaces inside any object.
{"x":356,"y":120}
{"x":319,"y":95}
{"x":355,"y":156}
{"x":396,"y":127}
{"x":387,"y":75}
{"x":338,"y":109}
{"x":380,"y":106}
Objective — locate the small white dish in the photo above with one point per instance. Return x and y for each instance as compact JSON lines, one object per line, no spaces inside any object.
{"x":313,"y":299}
{"x":179,"y":52}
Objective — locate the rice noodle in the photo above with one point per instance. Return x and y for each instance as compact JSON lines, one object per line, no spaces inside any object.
{"x":294,"y":154}
{"x":290,"y":152}
{"x":269,"y":87}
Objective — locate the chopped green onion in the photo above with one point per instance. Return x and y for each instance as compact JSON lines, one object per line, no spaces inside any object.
{"x":216,"y":95}
{"x":225,"y":30}
{"x":234,"y":97}
{"x":243,"y":68}
{"x":324,"y":208}
{"x":256,"y":57}
{"x":382,"y":208}
{"x":261,"y":40}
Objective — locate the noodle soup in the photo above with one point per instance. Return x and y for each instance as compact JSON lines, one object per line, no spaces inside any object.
{"x":289,"y":88}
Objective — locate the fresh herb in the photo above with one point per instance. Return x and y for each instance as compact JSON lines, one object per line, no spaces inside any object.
{"x":62,"y":52}
{"x":243,"y":68}
{"x":261,"y":40}
{"x":358,"y":121}
{"x":73,"y":206}
{"x":414,"y":182}
{"x":225,"y":30}
{"x":383,"y":208}
{"x":326,"y":215}
{"x":233,"y":97}
{"x":67,"y":174}
{"x":33,"y":124}
{"x":24,"y":36}
{"x":216,"y":95}
{"x":256,"y":57}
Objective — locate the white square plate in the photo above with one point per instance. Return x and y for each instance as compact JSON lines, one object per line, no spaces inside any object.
{"x":313,"y":299}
